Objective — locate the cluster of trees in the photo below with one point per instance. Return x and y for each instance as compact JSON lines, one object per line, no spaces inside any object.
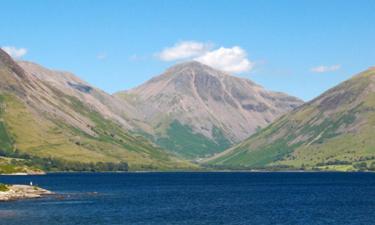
{"x":358,"y":165}
{"x":54,"y":164}
{"x":334,"y":162}
{"x":258,"y":168}
{"x":363,"y":166}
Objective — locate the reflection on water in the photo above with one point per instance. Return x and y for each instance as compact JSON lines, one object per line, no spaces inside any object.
{"x":8,"y":213}
{"x":66,"y":202}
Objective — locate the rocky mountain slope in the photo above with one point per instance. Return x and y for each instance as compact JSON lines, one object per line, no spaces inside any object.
{"x":335,"y":131}
{"x":49,"y":116}
{"x":197,"y":111}
{"x":107,"y":105}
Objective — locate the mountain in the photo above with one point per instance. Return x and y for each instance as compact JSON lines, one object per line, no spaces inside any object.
{"x":196,"y":111}
{"x":335,"y":131}
{"x":56,"y":120}
{"x":107,"y":105}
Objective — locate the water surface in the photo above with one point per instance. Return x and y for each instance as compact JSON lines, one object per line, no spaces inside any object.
{"x":196,"y":198}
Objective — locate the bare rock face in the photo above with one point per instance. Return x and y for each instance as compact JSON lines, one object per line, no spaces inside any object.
{"x":207,"y":101}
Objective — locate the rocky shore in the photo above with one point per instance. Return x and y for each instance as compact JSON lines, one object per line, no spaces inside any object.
{"x":17,"y":192}
{"x":25,"y":173}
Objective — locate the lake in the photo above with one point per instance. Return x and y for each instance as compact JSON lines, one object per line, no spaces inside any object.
{"x":227,"y":198}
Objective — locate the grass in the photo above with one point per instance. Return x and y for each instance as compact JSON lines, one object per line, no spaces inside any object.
{"x":9,"y":169}
{"x":3,"y":187}
{"x":182,"y":140}
{"x":260,"y":157}
{"x":13,"y":165}
{"x":5,"y":140}
{"x":326,"y":143}
{"x":314,"y":137}
{"x":339,"y":168}
{"x":47,"y":137}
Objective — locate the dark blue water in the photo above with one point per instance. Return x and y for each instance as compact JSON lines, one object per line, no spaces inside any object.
{"x":196,"y":198}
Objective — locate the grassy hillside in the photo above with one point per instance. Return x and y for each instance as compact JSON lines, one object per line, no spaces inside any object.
{"x":333,"y":132}
{"x":183,"y":141}
{"x":55,"y":121}
{"x":22,"y":129}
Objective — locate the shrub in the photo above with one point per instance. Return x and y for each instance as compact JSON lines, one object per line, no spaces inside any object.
{"x":3,"y":187}
{"x":360,"y":166}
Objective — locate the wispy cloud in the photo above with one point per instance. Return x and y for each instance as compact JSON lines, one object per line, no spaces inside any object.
{"x":184,"y":50}
{"x":138,"y":58}
{"x":325,"y":69}
{"x":15,"y":52}
{"x":233,"y":60}
{"x":102,"y":56}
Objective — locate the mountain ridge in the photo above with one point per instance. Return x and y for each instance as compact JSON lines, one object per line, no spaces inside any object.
{"x":332,"y":131}
{"x":205,"y":102}
{"x":54,"y":122}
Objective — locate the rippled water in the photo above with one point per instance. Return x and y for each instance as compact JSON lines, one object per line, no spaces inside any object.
{"x":196,"y":198}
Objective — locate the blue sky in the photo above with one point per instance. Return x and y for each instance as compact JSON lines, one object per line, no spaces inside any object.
{"x":298,"y":47}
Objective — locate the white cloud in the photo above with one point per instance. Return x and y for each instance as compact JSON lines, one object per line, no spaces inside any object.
{"x":184,"y":50}
{"x":15,"y":52}
{"x":324,"y":69}
{"x":233,"y":60}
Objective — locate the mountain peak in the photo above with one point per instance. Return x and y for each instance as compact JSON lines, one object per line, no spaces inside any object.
{"x":193,"y":99}
{"x":6,"y":60}
{"x":194,"y":66}
{"x":189,"y":64}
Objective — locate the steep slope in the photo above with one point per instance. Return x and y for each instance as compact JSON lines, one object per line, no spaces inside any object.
{"x":197,"y":111}
{"x":42,"y":119}
{"x":335,"y":131}
{"x":107,"y":105}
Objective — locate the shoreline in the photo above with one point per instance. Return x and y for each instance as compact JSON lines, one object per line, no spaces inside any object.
{"x":202,"y":171}
{"x":184,"y":171}
{"x":23,"y":174}
{"x":22,"y":192}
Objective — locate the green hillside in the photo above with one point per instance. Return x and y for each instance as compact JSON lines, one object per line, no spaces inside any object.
{"x":16,"y":165}
{"x":182,"y":140}
{"x":23,"y":130}
{"x":332,"y":132}
{"x":53,"y":130}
